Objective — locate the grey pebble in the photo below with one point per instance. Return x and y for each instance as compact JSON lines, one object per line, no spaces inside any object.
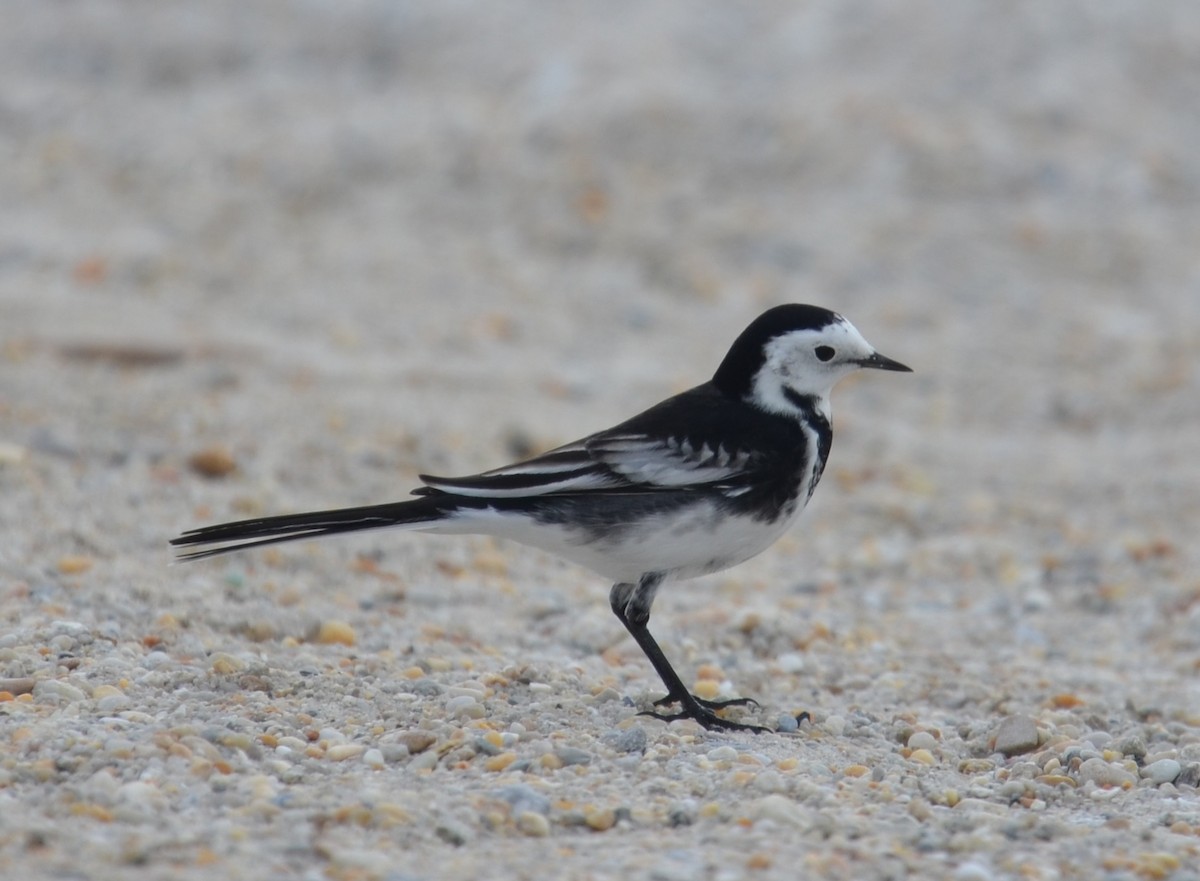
{"x":1133,"y":746}
{"x":1016,"y":735}
{"x":631,"y":740}
{"x":1189,"y":776}
{"x":523,"y":798}
{"x":453,"y":833}
{"x":682,"y":813}
{"x":1103,"y":773}
{"x":425,"y":687}
{"x":572,"y":755}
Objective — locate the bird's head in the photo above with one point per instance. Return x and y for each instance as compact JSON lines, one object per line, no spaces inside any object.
{"x":793,"y":353}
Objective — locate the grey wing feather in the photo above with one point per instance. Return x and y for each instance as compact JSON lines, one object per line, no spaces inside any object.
{"x":610,"y":461}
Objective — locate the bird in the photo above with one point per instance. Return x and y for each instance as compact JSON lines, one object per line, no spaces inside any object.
{"x":696,"y":484}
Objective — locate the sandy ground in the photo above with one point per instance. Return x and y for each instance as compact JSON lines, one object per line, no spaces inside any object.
{"x":329,"y":245}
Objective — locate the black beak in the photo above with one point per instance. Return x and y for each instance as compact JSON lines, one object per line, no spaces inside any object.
{"x":879,"y":362}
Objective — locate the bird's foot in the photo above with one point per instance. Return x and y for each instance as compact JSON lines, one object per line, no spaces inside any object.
{"x":707,"y":704}
{"x":704,"y":712}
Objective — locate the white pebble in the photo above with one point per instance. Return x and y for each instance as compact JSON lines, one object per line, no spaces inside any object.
{"x":111,"y":703}
{"x":923,"y":740}
{"x":973,"y":871}
{"x":373,"y":758}
{"x":834,"y":725}
{"x":1162,"y":771}
{"x":790,"y":662}
{"x":779,"y":808}
{"x":722,"y":754}
{"x":59,"y":689}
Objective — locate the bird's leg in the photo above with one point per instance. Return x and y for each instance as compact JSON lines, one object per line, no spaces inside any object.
{"x":631,"y":604}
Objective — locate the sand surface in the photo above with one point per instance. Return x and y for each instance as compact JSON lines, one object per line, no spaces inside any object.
{"x":263,"y":258}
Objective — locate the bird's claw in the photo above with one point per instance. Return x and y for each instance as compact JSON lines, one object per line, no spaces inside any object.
{"x":704,"y":712}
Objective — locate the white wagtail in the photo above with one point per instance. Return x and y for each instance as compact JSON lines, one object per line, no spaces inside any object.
{"x":698,"y":483}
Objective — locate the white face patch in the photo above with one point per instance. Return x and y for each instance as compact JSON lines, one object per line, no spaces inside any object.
{"x":809,"y":363}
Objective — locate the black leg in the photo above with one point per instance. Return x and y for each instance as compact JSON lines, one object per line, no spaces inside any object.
{"x":631,"y":604}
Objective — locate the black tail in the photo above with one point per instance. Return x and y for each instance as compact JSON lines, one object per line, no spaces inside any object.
{"x":291,"y":527}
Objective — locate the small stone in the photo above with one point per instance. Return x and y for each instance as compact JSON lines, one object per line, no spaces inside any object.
{"x":631,"y":740}
{"x":21,"y":685}
{"x":213,"y":461}
{"x":334,"y":632}
{"x":224,"y":664}
{"x":722,"y":754}
{"x":1162,"y":771}
{"x":571,"y":755}
{"x":465,"y":706}
{"x":426,"y":687}
{"x":682,"y":813}
{"x":416,"y":741}
{"x":973,"y":871}
{"x":74,"y":564}
{"x":533,"y":824}
{"x":922,"y":756}
{"x":112,"y":701}
{"x":453,"y":833}
{"x":341,"y":751}
{"x":922,"y":740}
{"x":787,"y":723}
{"x":1190,"y":776}
{"x":1016,"y":735}
{"x":373,"y":758}
{"x":834,"y":725}
{"x":521,"y":797}
{"x":1133,"y":746}
{"x":790,"y":662}
{"x":58,"y":689}
{"x":1103,"y":773}
{"x":779,"y":808}
{"x":601,"y":820}
{"x":500,"y":762}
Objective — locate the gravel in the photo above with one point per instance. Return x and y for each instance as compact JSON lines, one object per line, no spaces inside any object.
{"x":264,"y":258}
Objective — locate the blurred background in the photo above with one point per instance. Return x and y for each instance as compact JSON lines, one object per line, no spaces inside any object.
{"x":462,"y":226}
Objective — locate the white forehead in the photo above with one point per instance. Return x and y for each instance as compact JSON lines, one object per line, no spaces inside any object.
{"x":841,"y":336}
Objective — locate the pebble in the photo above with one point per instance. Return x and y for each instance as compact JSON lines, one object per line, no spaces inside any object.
{"x":335,"y":632}
{"x":58,"y":689}
{"x":416,"y":741}
{"x":922,"y":740}
{"x":779,"y":808}
{"x":722,"y":754}
{"x":973,"y":871}
{"x":1162,"y":771}
{"x":533,"y":824}
{"x":213,"y":461}
{"x":339,"y":752}
{"x":570,"y":755}
{"x":631,"y":740}
{"x":601,"y":820}
{"x":834,"y":725}
{"x":1103,"y":773}
{"x":787,"y":723}
{"x":1016,"y":735}
{"x":464,"y":705}
{"x":1133,"y":746}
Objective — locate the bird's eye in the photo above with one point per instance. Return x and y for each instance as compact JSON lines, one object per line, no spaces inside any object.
{"x":825,"y":353}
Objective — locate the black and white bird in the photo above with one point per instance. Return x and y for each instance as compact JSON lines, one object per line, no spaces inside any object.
{"x":703,"y":481}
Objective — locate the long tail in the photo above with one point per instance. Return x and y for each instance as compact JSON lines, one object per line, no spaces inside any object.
{"x":292,"y":527}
